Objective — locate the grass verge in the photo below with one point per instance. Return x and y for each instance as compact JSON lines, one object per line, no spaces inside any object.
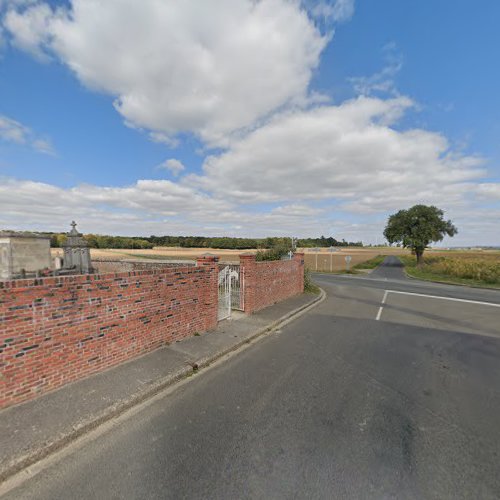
{"x":370,"y":264}
{"x":309,"y":285}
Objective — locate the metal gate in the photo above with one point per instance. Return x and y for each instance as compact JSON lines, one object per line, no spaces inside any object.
{"x":230,"y":290}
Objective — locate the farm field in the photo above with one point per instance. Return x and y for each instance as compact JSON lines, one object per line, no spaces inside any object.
{"x":160,"y":253}
{"x":479,"y":268}
{"x":326,"y":261}
{"x":440,"y":263}
{"x":324,"y":257}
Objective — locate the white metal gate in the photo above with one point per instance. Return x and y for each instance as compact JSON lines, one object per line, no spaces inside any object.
{"x":230,"y":290}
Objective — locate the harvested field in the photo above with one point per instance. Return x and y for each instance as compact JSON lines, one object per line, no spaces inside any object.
{"x":326,"y":261}
{"x":160,"y":253}
{"x":323,"y":260}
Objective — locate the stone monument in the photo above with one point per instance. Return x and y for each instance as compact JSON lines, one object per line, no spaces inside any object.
{"x":77,"y":252}
{"x":23,"y":254}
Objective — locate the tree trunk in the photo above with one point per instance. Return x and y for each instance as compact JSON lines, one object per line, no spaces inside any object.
{"x":420,"y":257}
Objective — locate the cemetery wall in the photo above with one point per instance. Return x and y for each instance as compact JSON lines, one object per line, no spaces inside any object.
{"x":269,"y":282}
{"x":57,"y":330}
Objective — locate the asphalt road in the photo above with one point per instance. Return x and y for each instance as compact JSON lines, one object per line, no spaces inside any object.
{"x":373,"y":394}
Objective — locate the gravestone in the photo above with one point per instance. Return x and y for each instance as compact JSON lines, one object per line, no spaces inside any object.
{"x":77,"y":252}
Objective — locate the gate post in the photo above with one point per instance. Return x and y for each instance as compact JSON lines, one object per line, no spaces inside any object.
{"x":210,"y":298}
{"x":248,"y":267}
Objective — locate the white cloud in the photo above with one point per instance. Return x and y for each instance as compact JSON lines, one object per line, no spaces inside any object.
{"x":146,"y":207}
{"x":15,"y":132}
{"x":31,"y":31}
{"x":165,"y":207}
{"x":162,"y":138}
{"x":488,"y":191}
{"x":43,"y":146}
{"x":172,"y":71}
{"x":384,"y":81}
{"x":172,"y":165}
{"x":336,"y":10}
{"x":150,"y":198}
{"x":352,"y":153}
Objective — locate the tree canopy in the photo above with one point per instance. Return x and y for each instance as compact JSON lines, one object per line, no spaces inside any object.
{"x":105,"y":241}
{"x":418,"y":226}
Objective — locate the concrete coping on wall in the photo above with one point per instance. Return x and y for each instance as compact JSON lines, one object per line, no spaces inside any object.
{"x":13,"y":234}
{"x":149,"y":261}
{"x":88,"y":278}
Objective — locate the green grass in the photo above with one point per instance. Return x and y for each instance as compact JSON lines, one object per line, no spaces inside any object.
{"x":370,"y":264}
{"x":428,"y":273}
{"x":309,"y":285}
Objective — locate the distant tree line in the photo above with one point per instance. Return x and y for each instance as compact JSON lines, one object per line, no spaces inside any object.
{"x":327,"y":242}
{"x":104,"y":241}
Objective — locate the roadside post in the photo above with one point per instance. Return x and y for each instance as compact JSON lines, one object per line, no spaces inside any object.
{"x":331,"y":258}
{"x":316,"y":250}
{"x":348,"y":259}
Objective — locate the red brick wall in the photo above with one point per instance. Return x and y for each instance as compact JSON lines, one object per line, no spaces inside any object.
{"x":268,"y":282}
{"x":57,"y":330}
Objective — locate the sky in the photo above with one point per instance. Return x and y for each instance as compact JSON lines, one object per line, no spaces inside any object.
{"x":249,"y":118}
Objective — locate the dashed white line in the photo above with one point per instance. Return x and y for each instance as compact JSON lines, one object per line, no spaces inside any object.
{"x":381,"y":308}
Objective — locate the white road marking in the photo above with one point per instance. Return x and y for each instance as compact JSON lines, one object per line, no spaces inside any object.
{"x":491,"y":304}
{"x":381,"y":308}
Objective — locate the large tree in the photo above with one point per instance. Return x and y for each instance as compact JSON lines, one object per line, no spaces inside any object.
{"x":418,"y":226}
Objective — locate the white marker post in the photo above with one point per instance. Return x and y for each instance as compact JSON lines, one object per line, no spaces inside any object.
{"x":348,"y":259}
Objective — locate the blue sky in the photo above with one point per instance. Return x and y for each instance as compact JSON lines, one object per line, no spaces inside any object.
{"x":245,"y":118}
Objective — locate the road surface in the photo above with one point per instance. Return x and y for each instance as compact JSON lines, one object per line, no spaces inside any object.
{"x":388,"y":389}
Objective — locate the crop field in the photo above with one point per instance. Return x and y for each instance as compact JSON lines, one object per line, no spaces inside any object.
{"x":472,"y":267}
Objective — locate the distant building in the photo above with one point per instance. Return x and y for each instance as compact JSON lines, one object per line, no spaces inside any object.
{"x":23,"y":254}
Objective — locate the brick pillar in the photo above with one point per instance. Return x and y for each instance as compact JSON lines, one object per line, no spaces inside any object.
{"x":210,"y":295}
{"x":249,"y":272}
{"x":299,"y":258}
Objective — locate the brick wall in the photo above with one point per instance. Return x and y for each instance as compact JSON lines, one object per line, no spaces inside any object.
{"x":57,"y":330}
{"x":268,"y":282}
